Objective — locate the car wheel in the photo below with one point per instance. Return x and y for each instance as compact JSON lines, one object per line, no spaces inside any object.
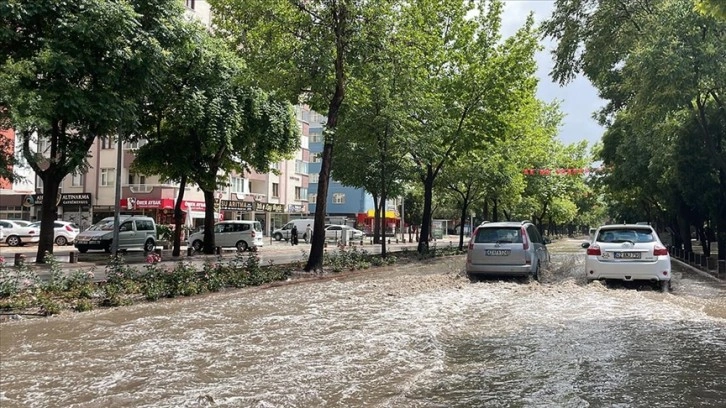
{"x":278,"y":237}
{"x":61,"y":241}
{"x":537,"y":273}
{"x":82,"y":249}
{"x":472,"y":278}
{"x":197,"y":245}
{"x":107,"y":248}
{"x":242,"y":246}
{"x":665,"y":286}
{"x":13,"y":240}
{"x":149,"y":246}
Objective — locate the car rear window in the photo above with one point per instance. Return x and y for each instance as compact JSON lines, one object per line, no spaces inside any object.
{"x":502,"y":235}
{"x":626,"y":235}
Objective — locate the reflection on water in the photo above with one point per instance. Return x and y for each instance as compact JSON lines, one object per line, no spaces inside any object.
{"x":410,"y":338}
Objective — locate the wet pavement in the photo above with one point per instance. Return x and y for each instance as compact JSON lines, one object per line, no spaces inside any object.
{"x":410,"y":336}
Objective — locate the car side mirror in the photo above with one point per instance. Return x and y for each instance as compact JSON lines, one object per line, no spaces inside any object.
{"x":547,"y":241}
{"x":585,"y":245}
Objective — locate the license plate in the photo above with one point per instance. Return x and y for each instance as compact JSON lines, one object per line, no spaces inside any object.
{"x":497,"y":252}
{"x":627,"y":255}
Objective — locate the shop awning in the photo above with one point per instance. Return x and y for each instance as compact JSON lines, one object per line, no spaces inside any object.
{"x":389,"y":214}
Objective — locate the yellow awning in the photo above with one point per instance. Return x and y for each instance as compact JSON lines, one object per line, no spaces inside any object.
{"x":389,"y":214}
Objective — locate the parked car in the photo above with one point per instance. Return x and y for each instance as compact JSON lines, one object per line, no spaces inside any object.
{"x":19,"y":232}
{"x":135,"y":232}
{"x":284,"y":232}
{"x":507,"y":249}
{"x":628,"y":252}
{"x":64,"y":232}
{"x":335,"y":232}
{"x":242,"y":234}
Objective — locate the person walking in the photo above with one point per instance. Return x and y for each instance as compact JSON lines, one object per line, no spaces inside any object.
{"x":293,"y":235}
{"x":308,"y":234}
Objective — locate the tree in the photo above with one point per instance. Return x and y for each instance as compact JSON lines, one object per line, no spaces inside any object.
{"x":208,"y":123}
{"x":655,"y":62}
{"x":714,"y":8}
{"x":72,"y":71}
{"x":466,"y":79}
{"x":311,"y":47}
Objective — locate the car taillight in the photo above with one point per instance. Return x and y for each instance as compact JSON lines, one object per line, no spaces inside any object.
{"x":525,"y":241}
{"x":68,"y":228}
{"x":471,"y":240}
{"x":594,"y":250}
{"x":31,"y":232}
{"x":659,"y":250}
{"x":253,"y":234}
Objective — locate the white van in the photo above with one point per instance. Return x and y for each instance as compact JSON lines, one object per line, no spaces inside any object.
{"x":284,"y":232}
{"x":242,"y":234}
{"x":135,"y":231}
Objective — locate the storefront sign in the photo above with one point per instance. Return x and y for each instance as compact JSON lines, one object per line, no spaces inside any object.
{"x":234,"y":205}
{"x":66,"y":199}
{"x":294,"y":208}
{"x":269,"y":207}
{"x":133,"y":203}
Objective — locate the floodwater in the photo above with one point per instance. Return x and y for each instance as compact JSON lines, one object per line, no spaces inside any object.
{"x":411,"y":337}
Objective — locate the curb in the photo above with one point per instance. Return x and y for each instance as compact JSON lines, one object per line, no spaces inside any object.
{"x":698,"y":271}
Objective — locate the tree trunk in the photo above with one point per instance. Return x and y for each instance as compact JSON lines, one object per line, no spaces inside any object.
{"x":178,"y":217}
{"x":423,"y":240}
{"x":376,"y":221}
{"x":383,"y":224}
{"x":209,"y":221}
{"x":485,"y":210}
{"x":464,"y":207}
{"x":48,"y":214}
{"x":495,"y":210}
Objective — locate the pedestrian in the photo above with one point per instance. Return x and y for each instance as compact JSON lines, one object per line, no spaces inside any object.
{"x":308,"y":234}
{"x":293,"y":235}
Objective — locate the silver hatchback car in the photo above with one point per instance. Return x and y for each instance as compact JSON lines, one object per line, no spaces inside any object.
{"x":507,"y":249}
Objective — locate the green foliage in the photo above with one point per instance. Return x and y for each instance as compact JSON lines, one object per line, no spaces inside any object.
{"x":74,"y":70}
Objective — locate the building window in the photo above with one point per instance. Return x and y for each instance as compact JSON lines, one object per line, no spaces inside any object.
{"x":312,"y":198}
{"x":108,"y":177}
{"x":301,"y":193}
{"x":316,"y":137}
{"x":275,"y":166}
{"x":107,"y":142}
{"x":135,"y":178}
{"x":314,"y":178}
{"x":276,"y":190}
{"x":77,"y":180}
{"x":136,"y":144}
{"x":315,"y":158}
{"x":301,"y":167}
{"x":238,"y":185}
{"x":339,"y":198}
{"x":189,"y":4}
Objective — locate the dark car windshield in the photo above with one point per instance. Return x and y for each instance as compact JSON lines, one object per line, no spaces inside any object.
{"x":502,"y":235}
{"x":626,"y":235}
{"x":102,"y":226}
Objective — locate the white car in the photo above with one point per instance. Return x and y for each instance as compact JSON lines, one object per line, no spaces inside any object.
{"x":19,"y":232}
{"x":241,"y":234}
{"x":64,"y":232}
{"x":335,"y":232}
{"x":628,"y":252}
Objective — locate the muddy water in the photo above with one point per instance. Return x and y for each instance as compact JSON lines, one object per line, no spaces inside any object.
{"x":411,"y":337}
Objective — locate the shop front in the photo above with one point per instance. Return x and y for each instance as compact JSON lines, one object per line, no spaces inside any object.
{"x":162,"y":210}
{"x":390,"y":223}
{"x":268,"y":214}
{"x":72,"y":207}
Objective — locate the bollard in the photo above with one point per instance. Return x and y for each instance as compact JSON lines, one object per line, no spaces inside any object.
{"x":218,"y":250}
{"x":722,"y":268}
{"x":711,"y":263}
{"x":190,"y":250}
{"x":73,"y":257}
{"x":697,"y":259}
{"x":19,"y":259}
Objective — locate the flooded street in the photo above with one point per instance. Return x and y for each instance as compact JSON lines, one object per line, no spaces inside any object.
{"x":412,"y":336}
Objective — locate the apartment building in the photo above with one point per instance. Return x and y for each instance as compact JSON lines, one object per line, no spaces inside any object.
{"x":14,"y":202}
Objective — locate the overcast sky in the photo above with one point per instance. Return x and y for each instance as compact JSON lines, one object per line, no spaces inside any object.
{"x":578,"y":100}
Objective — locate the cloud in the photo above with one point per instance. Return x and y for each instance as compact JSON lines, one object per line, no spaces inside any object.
{"x":578,"y":99}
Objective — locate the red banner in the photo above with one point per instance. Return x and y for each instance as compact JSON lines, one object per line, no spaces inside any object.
{"x":563,"y":171}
